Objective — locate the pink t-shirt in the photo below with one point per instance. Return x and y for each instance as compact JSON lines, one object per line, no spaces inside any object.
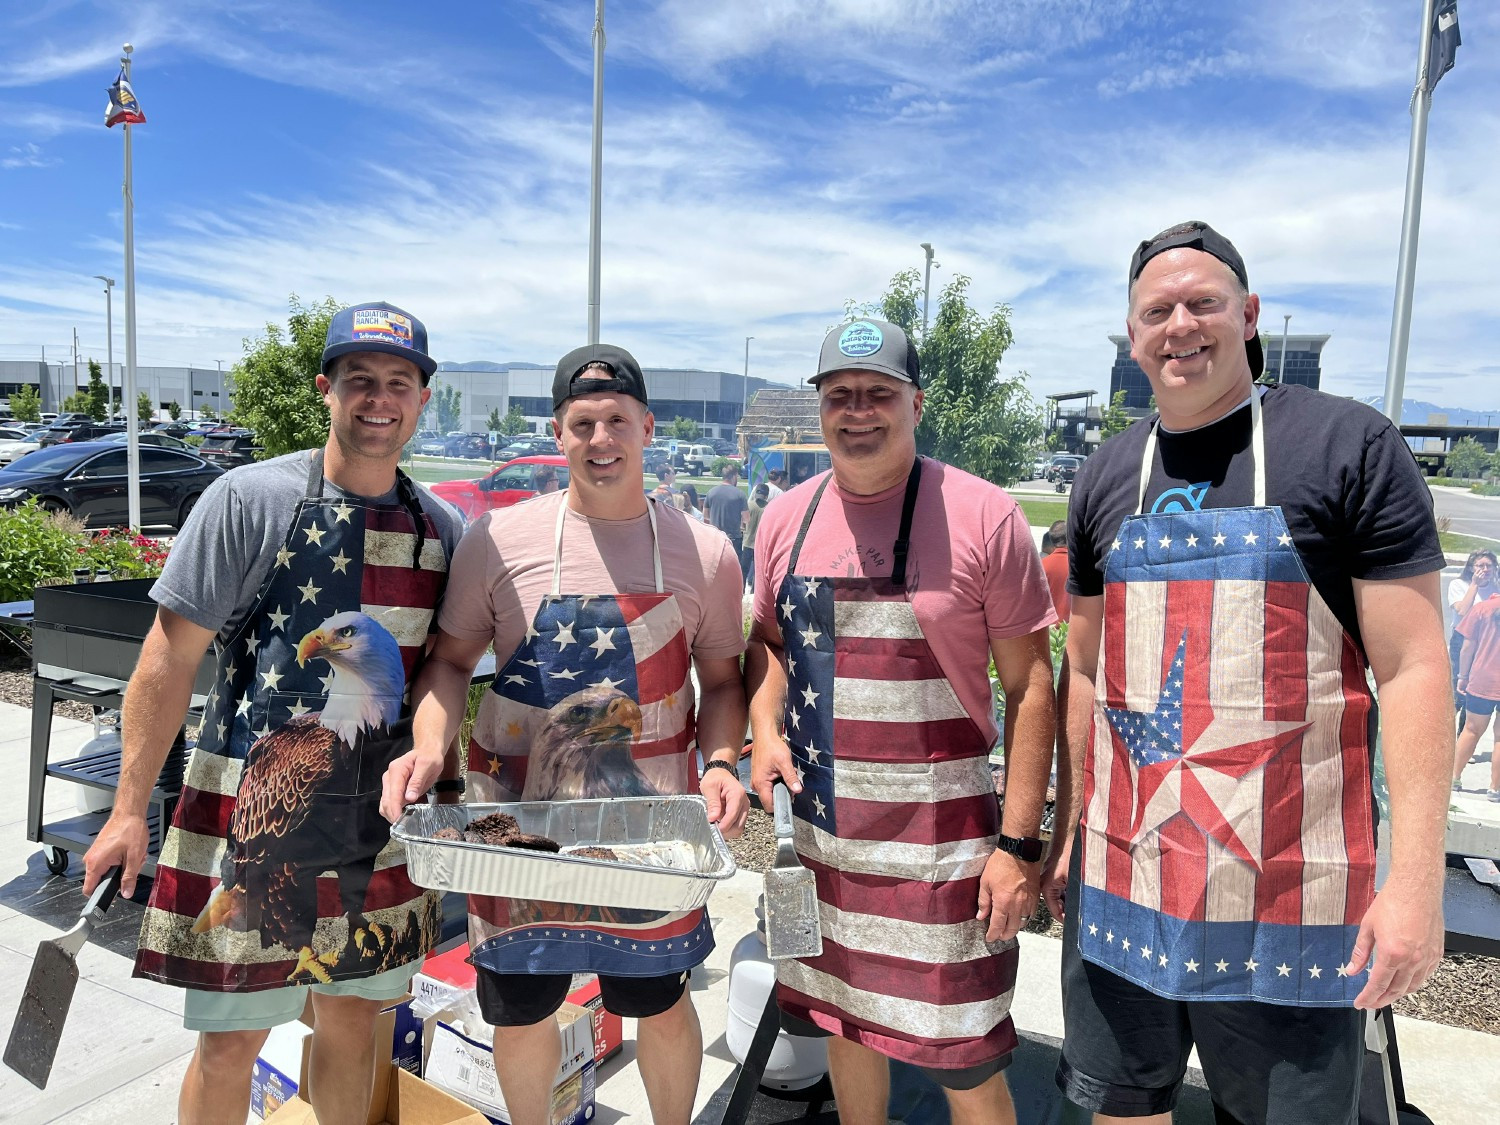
{"x":1481,"y":625}
{"x":973,"y":571}
{"x":503,"y":568}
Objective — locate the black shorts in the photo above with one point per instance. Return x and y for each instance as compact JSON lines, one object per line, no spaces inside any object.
{"x":522,"y":999}
{"x":964,"y":1078}
{"x":1479,"y":706}
{"x":1125,"y":1050}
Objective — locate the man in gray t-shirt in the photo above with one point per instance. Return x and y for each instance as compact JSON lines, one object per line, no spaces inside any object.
{"x":725,"y":507}
{"x":318,"y":574}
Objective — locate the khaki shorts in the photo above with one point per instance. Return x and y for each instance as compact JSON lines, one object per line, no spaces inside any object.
{"x":259,"y":1011}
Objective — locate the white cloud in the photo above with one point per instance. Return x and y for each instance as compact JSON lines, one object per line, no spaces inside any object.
{"x":27,"y":155}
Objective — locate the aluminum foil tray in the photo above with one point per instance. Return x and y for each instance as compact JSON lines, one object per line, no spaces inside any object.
{"x":672,"y":858}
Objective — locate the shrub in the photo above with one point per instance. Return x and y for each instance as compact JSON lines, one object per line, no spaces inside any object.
{"x":35,"y":546}
{"x":124,"y":553}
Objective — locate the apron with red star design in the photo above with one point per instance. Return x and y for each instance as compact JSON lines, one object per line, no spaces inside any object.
{"x":595,"y":702}
{"x":1227,"y":834}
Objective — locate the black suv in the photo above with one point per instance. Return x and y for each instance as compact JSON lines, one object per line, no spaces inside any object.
{"x":60,"y":432}
{"x":229,"y":448}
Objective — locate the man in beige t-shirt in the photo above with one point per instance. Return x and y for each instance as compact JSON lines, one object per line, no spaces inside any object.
{"x":598,"y":602}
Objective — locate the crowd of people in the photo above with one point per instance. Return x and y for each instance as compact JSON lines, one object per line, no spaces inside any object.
{"x":1230,"y":570}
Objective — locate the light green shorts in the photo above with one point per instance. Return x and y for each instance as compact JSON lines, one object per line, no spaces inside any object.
{"x":258,"y":1011}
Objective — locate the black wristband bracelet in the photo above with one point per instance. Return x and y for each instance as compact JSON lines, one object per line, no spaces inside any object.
{"x":715,"y":763}
{"x":448,"y":785}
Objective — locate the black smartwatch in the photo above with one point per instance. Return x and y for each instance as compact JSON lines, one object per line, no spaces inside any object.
{"x":719,"y":764}
{"x":1027,"y":848}
{"x":448,"y":785}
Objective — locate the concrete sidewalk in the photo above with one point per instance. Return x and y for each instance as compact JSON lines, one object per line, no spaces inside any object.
{"x":124,"y":1051}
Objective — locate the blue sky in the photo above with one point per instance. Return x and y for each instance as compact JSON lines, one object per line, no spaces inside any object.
{"x":764,"y":162}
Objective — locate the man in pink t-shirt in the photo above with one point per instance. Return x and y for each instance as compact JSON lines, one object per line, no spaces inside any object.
{"x":1479,"y":683}
{"x":882,"y":591}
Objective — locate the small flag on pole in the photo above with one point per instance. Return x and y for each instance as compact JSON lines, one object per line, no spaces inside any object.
{"x":123,"y":109}
{"x":1445,"y":42}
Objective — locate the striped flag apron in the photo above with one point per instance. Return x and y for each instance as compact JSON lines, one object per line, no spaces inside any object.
{"x":897,"y":819}
{"x":322,"y":892}
{"x":595,"y":702}
{"x":1228,"y":837}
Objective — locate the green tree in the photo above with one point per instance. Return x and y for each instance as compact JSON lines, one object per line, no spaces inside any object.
{"x":449,"y":403}
{"x":174,"y":410}
{"x":493,"y":422}
{"x":514,"y":421}
{"x":683,"y":429}
{"x":145,"y":409}
{"x":274,"y":388}
{"x":972,"y":417}
{"x":1467,"y":459}
{"x":1113,"y":418}
{"x":26,"y":405}
{"x":78,"y":402}
{"x":98,"y":393}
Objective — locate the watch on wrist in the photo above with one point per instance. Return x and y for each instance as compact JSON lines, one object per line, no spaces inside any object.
{"x":448,"y":785}
{"x":1026,"y":848}
{"x":717,"y":764}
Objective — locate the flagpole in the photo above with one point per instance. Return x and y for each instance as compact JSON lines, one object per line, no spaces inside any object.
{"x":1411,"y":221}
{"x":596,"y":172}
{"x":132,"y":425}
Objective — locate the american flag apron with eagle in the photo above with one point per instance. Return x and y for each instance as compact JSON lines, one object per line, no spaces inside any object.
{"x":897,"y":818}
{"x":278,"y":868}
{"x":1227,"y":834}
{"x":595,"y":702}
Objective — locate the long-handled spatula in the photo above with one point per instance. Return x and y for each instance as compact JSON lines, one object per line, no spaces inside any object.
{"x":792,"y":924}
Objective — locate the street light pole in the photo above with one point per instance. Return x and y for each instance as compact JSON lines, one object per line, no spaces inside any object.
{"x":745,"y":386}
{"x":596,"y":172}
{"x":109,"y":331}
{"x":926,"y":286}
{"x":1286,"y":321}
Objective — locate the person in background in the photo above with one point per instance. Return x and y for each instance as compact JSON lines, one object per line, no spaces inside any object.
{"x":1478,"y":674}
{"x":1055,"y":564}
{"x":545,"y":480}
{"x":758,"y":501}
{"x":686,"y":499}
{"x":666,"y":487}
{"x":1476,"y":583}
{"x":776,"y":481}
{"x":725,"y":507}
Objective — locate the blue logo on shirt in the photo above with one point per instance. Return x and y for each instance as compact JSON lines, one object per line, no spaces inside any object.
{"x":1188,"y":499}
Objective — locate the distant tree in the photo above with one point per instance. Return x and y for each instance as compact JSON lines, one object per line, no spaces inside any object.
{"x":274,"y":387}
{"x":1113,"y":418}
{"x":209,"y":414}
{"x":493,"y":422}
{"x":145,"y":409}
{"x":1467,"y":459}
{"x":449,"y":401}
{"x":514,"y":421}
{"x":174,"y":410}
{"x":79,"y":402}
{"x":26,"y":405}
{"x":98,"y":408}
{"x":684,"y":429}
{"x":972,"y":417}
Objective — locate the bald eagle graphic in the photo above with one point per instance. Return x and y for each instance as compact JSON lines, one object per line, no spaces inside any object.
{"x":285,"y":830}
{"x":582,"y":749}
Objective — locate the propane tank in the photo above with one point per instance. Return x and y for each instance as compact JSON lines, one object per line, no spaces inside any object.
{"x":796,"y":1061}
{"x":106,"y":740}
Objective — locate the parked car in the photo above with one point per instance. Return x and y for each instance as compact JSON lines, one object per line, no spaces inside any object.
{"x":1062,"y":470}
{"x":229,"y":447}
{"x":151,"y":437}
{"x":173,"y":429}
{"x":16,"y":442}
{"x":74,"y":430}
{"x":653,"y":459}
{"x":694,"y":458}
{"x":511,"y":483}
{"x":1039,"y":468}
{"x":724,"y":447}
{"x":88,"y":479}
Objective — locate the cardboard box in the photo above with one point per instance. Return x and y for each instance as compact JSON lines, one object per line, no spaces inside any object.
{"x":281,"y":1068}
{"x":450,"y":968}
{"x":464,"y":1066}
{"x":400,"y":1099}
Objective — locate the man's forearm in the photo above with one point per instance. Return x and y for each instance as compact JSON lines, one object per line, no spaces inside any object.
{"x":441,"y":697}
{"x":156,"y":703}
{"x":1466,"y":658}
{"x":1417,"y":743}
{"x":1030,"y":730}
{"x":721,"y":721}
{"x":1075,"y":703}
{"x":765,"y":683}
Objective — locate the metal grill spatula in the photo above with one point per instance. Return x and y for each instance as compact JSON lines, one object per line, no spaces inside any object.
{"x":792,"y":924}
{"x":49,"y":990}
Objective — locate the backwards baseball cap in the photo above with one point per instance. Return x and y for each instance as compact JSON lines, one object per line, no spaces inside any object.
{"x":625,"y":374}
{"x":1198,"y":235}
{"x":377,"y":326}
{"x":869,"y":345}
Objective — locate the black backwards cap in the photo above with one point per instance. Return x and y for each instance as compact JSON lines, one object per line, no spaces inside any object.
{"x":1198,"y":235}
{"x":625,"y":374}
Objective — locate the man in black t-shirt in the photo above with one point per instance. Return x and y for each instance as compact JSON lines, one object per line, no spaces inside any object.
{"x":1236,"y":564}
{"x":725,"y":507}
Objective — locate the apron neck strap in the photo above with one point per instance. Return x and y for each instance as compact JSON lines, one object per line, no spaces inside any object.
{"x":315,"y":475}
{"x":557,"y":537}
{"x":1257,"y":454}
{"x":903,"y":534}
